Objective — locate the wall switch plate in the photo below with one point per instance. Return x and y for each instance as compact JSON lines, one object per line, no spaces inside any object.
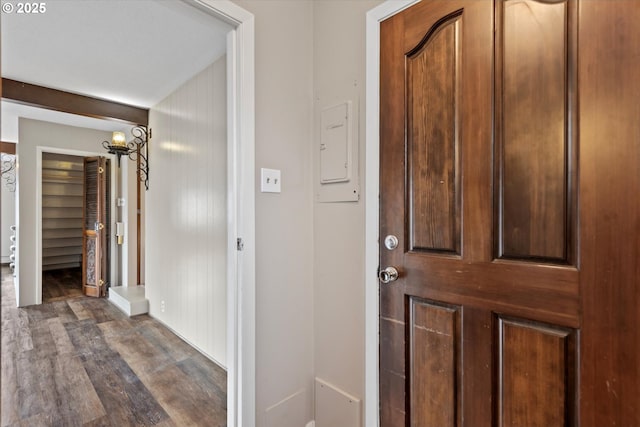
{"x":270,"y":180}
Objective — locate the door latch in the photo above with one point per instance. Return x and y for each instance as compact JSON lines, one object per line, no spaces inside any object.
{"x":388,"y":275}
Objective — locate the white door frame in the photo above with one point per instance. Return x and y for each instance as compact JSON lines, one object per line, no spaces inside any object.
{"x":372,"y":168}
{"x":241,"y":387}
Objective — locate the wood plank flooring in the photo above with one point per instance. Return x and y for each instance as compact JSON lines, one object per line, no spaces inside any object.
{"x":81,"y":362}
{"x":61,"y":284}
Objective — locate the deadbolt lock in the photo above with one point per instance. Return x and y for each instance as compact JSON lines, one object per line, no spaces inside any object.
{"x":391,"y":242}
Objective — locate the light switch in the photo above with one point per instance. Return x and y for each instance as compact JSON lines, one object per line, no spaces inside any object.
{"x":270,"y":180}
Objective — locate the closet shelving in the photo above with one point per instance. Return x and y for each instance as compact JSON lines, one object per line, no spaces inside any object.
{"x":62,"y":195}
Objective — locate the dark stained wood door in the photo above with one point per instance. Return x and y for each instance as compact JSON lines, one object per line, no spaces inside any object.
{"x":508,"y":274}
{"x":95,"y":252}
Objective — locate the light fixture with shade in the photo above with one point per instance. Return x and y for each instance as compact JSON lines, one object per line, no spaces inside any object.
{"x":136,"y":150}
{"x":118,"y":139}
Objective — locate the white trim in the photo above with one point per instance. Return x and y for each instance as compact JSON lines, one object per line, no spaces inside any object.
{"x":114,"y":247}
{"x":372,"y":168}
{"x":241,"y":327}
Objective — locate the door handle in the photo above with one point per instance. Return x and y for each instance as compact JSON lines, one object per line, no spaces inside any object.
{"x":388,"y":275}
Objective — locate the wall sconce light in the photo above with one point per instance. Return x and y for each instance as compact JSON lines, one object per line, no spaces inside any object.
{"x":136,"y":150}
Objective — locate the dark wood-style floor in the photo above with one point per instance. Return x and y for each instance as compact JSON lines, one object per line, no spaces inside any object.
{"x":81,"y":362}
{"x":58,"y":285}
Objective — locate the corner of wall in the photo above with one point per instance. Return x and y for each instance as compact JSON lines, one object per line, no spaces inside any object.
{"x":339,"y":231}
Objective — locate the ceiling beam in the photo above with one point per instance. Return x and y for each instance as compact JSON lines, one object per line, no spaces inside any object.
{"x":67,"y":102}
{"x":7,"y":147}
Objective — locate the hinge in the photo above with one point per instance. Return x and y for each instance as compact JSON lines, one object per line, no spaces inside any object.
{"x":149,"y":135}
{"x":239,"y":244}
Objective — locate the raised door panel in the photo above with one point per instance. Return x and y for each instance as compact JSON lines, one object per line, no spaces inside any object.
{"x":534,"y":110}
{"x":433,"y":83}
{"x":393,"y":412}
{"x":536,"y":374}
{"x":434,"y":343}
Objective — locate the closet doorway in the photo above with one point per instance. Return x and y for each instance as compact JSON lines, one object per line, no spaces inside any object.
{"x":76,"y":259}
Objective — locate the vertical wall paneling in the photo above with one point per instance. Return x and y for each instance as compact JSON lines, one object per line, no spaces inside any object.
{"x":433,"y":342}
{"x":432,"y":114}
{"x":534,"y":74}
{"x":186,"y":262}
{"x":62,"y":183}
{"x":536,"y":374}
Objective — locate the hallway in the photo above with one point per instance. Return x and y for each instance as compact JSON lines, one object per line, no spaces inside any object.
{"x":81,"y":362}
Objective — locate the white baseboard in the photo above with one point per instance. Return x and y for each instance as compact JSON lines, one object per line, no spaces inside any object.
{"x":289,"y":412}
{"x":311,"y":424}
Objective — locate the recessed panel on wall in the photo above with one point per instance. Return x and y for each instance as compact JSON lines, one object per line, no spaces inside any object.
{"x":533,"y":128}
{"x":536,"y":374}
{"x":433,"y":349}
{"x":433,"y":138}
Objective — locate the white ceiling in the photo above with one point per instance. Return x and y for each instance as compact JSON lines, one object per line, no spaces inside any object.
{"x":130,"y":51}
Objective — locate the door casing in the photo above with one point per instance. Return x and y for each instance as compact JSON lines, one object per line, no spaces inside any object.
{"x":241,"y":304}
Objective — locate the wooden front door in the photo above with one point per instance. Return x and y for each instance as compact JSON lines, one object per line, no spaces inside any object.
{"x":497,"y":218}
{"x":95,"y":253}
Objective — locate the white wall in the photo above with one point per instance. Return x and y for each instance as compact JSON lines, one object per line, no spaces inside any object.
{"x":185,"y":212}
{"x":284,"y":238}
{"x":339,"y":228}
{"x":34,"y":134}
{"x":306,"y":330}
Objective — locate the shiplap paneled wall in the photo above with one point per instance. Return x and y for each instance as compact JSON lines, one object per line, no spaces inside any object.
{"x":186,"y":212}
{"x":62,"y":184}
